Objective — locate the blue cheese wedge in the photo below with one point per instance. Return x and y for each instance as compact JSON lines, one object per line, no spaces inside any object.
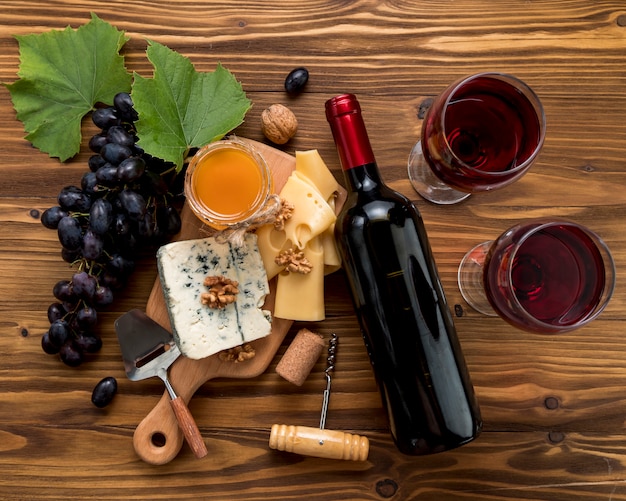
{"x":200,"y":331}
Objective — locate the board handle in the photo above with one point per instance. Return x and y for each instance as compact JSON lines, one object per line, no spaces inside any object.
{"x":158,"y":438}
{"x":318,"y":442}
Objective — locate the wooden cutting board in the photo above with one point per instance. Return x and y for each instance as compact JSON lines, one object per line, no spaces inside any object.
{"x":158,"y":439}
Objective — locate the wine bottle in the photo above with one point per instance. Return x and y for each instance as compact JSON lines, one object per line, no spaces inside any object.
{"x":406,"y":324}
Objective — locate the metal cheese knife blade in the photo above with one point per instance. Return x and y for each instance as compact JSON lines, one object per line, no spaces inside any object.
{"x":148,"y":350}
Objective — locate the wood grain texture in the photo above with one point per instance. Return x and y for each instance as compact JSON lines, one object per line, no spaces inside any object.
{"x":553,"y":407}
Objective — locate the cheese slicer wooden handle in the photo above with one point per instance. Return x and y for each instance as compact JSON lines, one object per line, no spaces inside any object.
{"x":189,"y":427}
{"x":329,"y":444}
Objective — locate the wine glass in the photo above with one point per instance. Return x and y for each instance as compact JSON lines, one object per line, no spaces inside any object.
{"x":543,"y":275}
{"x":482,"y":133}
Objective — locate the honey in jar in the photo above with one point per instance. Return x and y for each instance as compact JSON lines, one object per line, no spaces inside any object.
{"x":227,"y":183}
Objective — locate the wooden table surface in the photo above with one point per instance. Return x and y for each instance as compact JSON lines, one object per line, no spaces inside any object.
{"x":553,"y":407}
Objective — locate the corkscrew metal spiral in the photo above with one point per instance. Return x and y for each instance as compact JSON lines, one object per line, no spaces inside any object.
{"x":331,"y":359}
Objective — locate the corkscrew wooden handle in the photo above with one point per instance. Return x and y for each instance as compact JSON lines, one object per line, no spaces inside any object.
{"x":320,"y":443}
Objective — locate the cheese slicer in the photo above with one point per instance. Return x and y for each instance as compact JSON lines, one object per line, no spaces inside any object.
{"x":148,"y":350}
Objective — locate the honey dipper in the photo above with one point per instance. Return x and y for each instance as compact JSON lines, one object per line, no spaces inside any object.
{"x":320,"y":442}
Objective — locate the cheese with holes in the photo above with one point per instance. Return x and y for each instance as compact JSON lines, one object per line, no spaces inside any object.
{"x":311,"y":215}
{"x":309,"y":165}
{"x":311,"y":188}
{"x":200,"y":331}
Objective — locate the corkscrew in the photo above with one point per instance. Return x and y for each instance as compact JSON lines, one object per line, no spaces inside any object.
{"x":330,"y":367}
{"x":320,"y":442}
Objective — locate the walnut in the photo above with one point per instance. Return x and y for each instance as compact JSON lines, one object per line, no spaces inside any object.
{"x":238,"y":353}
{"x":294,"y":261}
{"x":222,"y":291}
{"x":278,"y":123}
{"x":284,"y":213}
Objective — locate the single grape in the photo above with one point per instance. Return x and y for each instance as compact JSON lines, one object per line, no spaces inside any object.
{"x":103,"y":296}
{"x":114,"y":153}
{"x":89,"y":184}
{"x":88,"y":342}
{"x":146,"y":226}
{"x":86,"y":317}
{"x":84,"y":285}
{"x":133,"y":203}
{"x":118,"y":135}
{"x":64,"y":291}
{"x":70,"y":233}
{"x":70,"y":354}
{"x":95,"y":162}
{"x":104,"y":392}
{"x":59,"y":332}
{"x":93,"y":245}
{"x":72,"y":198}
{"x":101,"y":216}
{"x":107,"y":175}
{"x":56,"y":312}
{"x":105,"y":117}
{"x":131,"y":169}
{"x":296,"y":80}
{"x":69,"y":256}
{"x":50,"y":217}
{"x":96,"y":142}
{"x":124,"y":106}
{"x":48,"y":346}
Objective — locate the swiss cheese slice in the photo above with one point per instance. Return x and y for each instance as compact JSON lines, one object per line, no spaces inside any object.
{"x":302,"y":296}
{"x":200,"y":331}
{"x":311,"y":167}
{"x":311,"y":189}
{"x":312,"y":214}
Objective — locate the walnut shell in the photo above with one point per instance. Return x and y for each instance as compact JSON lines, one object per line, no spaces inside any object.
{"x":278,"y":123}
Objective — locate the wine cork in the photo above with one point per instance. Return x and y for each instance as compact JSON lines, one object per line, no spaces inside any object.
{"x":300,"y":357}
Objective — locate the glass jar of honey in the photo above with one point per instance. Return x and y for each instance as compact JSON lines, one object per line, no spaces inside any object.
{"x":228,"y":184}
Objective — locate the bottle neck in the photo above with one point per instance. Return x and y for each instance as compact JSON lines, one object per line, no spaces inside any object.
{"x":363,"y":178}
{"x":343,"y":113}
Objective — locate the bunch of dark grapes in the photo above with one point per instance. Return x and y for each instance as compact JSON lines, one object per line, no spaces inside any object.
{"x":124,"y":205}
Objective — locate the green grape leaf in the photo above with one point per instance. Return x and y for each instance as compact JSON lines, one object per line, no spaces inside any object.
{"x":62,"y":75}
{"x":180,"y":108}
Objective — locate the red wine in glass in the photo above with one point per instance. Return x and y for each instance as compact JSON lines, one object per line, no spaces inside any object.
{"x":547,"y":276}
{"x":482,"y":133}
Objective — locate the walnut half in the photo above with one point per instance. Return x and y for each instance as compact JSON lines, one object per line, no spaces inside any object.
{"x":222,"y":291}
{"x":238,"y":353}
{"x":284,"y":214}
{"x":294,"y":261}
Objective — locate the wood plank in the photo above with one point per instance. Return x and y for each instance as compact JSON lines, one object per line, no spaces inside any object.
{"x":553,"y":407}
